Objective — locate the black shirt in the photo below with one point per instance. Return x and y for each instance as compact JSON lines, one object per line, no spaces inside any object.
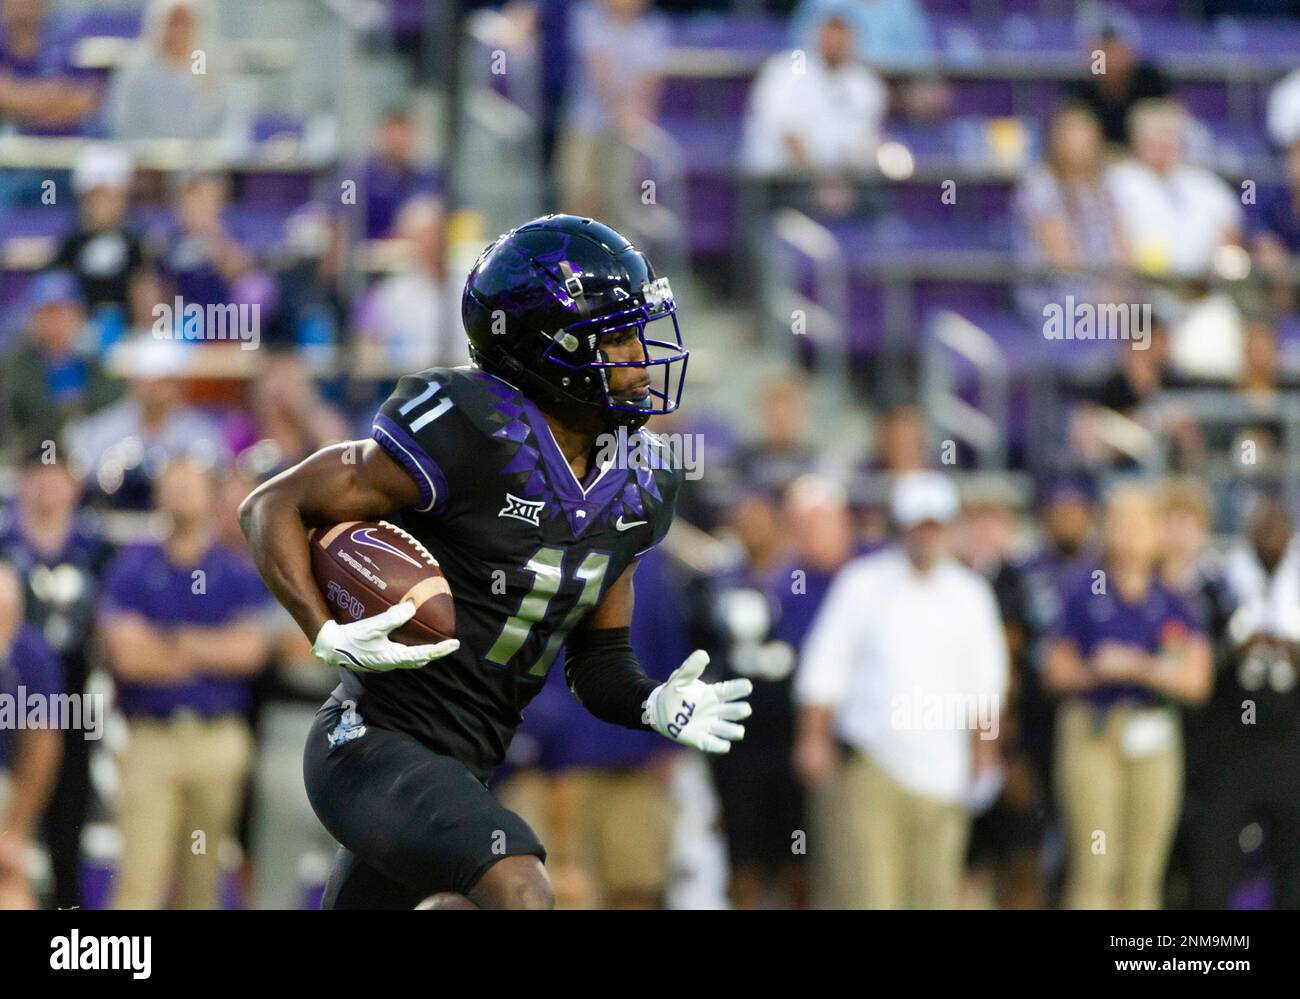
{"x":1146,"y":82}
{"x":104,"y":263}
{"x":527,"y":550}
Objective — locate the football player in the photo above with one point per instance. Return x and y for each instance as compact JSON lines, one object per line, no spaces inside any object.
{"x":518,"y":474}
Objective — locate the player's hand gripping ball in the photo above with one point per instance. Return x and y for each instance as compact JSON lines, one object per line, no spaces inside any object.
{"x":390,"y":604}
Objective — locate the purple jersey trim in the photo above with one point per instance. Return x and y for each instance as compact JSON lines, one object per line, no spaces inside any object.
{"x":393,"y":438}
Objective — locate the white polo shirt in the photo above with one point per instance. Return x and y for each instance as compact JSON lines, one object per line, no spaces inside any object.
{"x":837,"y":114}
{"x":912,"y":664}
{"x":1173,"y":223}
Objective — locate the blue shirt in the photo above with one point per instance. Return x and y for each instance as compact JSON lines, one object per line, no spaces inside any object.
{"x":31,"y":669}
{"x":1089,"y":618}
{"x":141,"y":580}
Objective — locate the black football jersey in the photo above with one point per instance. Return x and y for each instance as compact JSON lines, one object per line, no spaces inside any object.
{"x":527,"y":549}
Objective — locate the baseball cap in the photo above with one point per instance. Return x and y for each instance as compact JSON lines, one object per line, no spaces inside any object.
{"x":101,"y":166}
{"x":923,"y":496}
{"x":52,"y":288}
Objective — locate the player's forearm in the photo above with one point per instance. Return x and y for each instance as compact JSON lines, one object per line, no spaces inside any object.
{"x":605,"y":676}
{"x":277,"y":542}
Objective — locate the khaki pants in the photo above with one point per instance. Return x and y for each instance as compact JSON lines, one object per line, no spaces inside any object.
{"x":886,"y":847}
{"x":182,"y":782}
{"x":1119,"y":804}
{"x":608,"y":832}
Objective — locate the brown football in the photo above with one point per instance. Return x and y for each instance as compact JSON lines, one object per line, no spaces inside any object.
{"x":363,"y":568}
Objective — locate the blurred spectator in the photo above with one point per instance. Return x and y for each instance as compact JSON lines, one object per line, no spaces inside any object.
{"x":120,"y":449}
{"x":172,"y":84}
{"x":203,"y":263}
{"x":914,"y":709}
{"x":312,"y":300}
{"x":183,"y":632}
{"x":1134,"y":391}
{"x":393,"y":175}
{"x":1247,"y":755}
{"x":412,"y":318}
{"x":1174,"y":216}
{"x":1262,"y":378}
{"x":1283,"y":111}
{"x":288,"y":420}
{"x":1276,"y":231}
{"x":1188,"y":566}
{"x":1124,"y":649}
{"x":620,"y":51}
{"x":1005,"y":854}
{"x":893,"y":34}
{"x":783,"y":453}
{"x":815,"y":112}
{"x":29,"y":756}
{"x":1117,"y":80}
{"x":760,"y":611}
{"x":105,"y":253}
{"x":49,"y":377}
{"x":901,"y":443}
{"x":41,"y":92}
{"x":290,"y":851}
{"x":1067,"y":215}
{"x":1030,"y":593}
{"x":60,"y":555}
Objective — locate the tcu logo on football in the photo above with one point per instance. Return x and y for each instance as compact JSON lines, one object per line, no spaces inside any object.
{"x":334,"y":593}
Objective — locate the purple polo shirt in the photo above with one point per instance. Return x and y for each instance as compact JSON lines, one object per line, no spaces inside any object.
{"x":141,"y":580}
{"x":52,"y":61}
{"x":32,"y":666}
{"x":387,"y":187}
{"x":1089,"y":619}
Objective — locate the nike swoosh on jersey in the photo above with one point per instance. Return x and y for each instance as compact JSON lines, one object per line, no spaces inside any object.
{"x":621,"y":525}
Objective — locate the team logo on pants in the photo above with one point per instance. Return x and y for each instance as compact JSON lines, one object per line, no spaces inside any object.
{"x":350,"y":726}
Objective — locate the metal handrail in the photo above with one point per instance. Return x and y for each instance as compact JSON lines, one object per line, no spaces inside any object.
{"x":830,"y":272}
{"x":501,"y":135}
{"x":982,"y":426}
{"x":665,"y":224}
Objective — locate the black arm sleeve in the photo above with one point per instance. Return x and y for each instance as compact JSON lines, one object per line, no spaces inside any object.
{"x":605,"y":677}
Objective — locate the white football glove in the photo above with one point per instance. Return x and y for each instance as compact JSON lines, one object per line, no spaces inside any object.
{"x":698,"y":714}
{"x":364,"y":647}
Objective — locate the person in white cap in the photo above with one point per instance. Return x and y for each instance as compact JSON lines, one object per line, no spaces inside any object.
{"x":105,"y":252}
{"x":900,"y":686}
